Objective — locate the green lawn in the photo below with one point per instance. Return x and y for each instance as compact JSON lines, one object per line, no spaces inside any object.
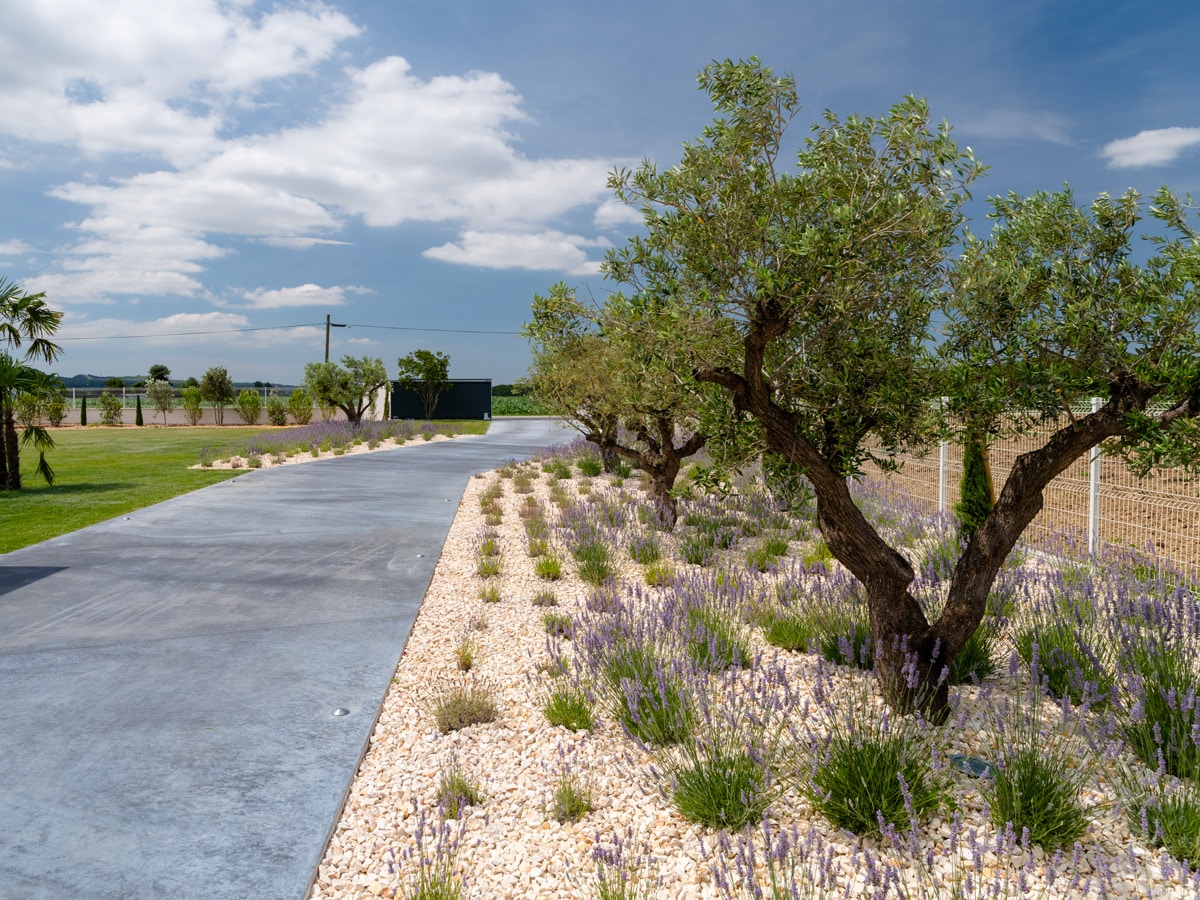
{"x":105,"y":472}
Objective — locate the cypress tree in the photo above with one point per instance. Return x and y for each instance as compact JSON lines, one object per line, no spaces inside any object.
{"x":137,"y":419}
{"x":977,"y":496}
{"x":83,"y":410}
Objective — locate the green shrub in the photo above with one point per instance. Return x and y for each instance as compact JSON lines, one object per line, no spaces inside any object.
{"x":645,"y":696}
{"x":568,"y":706}
{"x":976,"y":661}
{"x":300,"y":406}
{"x":110,"y":409}
{"x":572,"y":799}
{"x":714,"y":641}
{"x":1036,"y":790}
{"x":589,"y":466}
{"x":659,"y":574}
{"x":1065,"y":668}
{"x":249,"y":406}
{"x":548,"y":568}
{"x":591,"y":558}
{"x":489,"y":592}
{"x":276,"y":411}
{"x":644,"y":549}
{"x":790,"y":629}
{"x":456,"y":791}
{"x":558,"y":625}
{"x":720,"y":786}
{"x":464,"y":704}
{"x":544,"y":598}
{"x":466,"y":652}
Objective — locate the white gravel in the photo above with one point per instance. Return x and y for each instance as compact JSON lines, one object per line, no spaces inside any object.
{"x":509,"y":847}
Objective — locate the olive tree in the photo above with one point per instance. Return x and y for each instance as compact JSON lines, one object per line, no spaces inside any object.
{"x":824,"y":277}
{"x":160,"y":393}
{"x":351,"y":387}
{"x":605,"y":371}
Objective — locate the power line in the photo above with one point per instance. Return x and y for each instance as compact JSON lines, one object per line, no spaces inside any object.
{"x":162,"y":334}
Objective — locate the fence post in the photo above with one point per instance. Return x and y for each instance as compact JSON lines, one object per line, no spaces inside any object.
{"x":1093,"y":530}
{"x":943,"y":462}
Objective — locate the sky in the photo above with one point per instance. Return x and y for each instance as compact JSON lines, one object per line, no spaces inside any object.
{"x":200,"y":183}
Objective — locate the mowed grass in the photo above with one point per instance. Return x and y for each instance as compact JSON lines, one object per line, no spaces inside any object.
{"x":105,"y":472}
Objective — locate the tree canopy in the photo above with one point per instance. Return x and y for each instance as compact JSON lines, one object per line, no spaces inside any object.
{"x":351,"y":387}
{"x":428,"y":373}
{"x":25,"y":321}
{"x":807,"y":293}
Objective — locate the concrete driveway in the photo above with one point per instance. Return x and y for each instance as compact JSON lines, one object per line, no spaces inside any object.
{"x":169,"y":678}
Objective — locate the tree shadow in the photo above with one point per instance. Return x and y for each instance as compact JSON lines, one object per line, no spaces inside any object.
{"x":90,"y":488}
{"x":14,"y":577}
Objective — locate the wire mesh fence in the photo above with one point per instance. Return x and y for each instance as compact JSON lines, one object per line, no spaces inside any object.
{"x":1101,"y":502}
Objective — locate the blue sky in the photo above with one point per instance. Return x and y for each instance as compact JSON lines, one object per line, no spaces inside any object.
{"x":419,"y":170}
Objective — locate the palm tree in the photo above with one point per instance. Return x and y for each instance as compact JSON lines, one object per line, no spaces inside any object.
{"x":17,"y":380}
{"x":24,"y":318}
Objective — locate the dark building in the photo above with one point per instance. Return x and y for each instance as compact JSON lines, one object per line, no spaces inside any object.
{"x":465,"y":398}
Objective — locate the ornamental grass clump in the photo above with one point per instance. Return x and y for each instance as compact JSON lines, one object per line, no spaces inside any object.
{"x":548,"y":568}
{"x":465,"y":703}
{"x":567,"y":704}
{"x":457,"y":790}
{"x":644,"y":548}
{"x":869,"y":768}
{"x":725,"y":777}
{"x":1038,"y":778}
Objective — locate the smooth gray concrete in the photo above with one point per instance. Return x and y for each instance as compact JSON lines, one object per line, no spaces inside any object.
{"x":168,"y":678}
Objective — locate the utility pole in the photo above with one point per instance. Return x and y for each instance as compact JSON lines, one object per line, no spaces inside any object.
{"x":329,"y":325}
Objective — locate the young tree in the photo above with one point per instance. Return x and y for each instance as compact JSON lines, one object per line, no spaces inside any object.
{"x":428,"y":373}
{"x":137,"y":416}
{"x":249,"y":406}
{"x":605,"y":373}
{"x":351,"y":387}
{"x":217,"y":388}
{"x":161,"y":394}
{"x":25,"y":320}
{"x":193,"y":403}
{"x":300,"y":406}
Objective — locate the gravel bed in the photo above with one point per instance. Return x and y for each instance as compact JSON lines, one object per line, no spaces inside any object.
{"x":509,"y":846}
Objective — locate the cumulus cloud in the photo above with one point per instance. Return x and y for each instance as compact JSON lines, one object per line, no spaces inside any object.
{"x":303,"y":295}
{"x":14,"y":248}
{"x":550,"y":250}
{"x":172,"y":83}
{"x":1157,"y":147}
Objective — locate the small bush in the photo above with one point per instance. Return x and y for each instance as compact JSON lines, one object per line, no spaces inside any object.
{"x":1063,"y":664}
{"x":589,"y":466}
{"x":1168,"y":817}
{"x":548,"y":568}
{"x":465,"y":704}
{"x":559,"y":625}
{"x":568,"y":706}
{"x":300,"y":406}
{"x":466,"y":652}
{"x":976,"y":661}
{"x":572,"y":799}
{"x":489,"y":592}
{"x":790,"y":629}
{"x":456,"y":791}
{"x":249,"y":406}
{"x":644,"y":549}
{"x":544,"y":598}
{"x":698,"y":548}
{"x":110,"y":409}
{"x":276,"y":411}
{"x":721,"y":787}
{"x":645,"y":696}
{"x":866,"y":777}
{"x":1036,"y":791}
{"x":488,"y":567}
{"x":592,"y":563}
{"x":659,"y":574}
{"x":714,"y":641}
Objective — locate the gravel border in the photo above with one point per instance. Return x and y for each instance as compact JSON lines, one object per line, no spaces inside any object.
{"x":509,"y":847}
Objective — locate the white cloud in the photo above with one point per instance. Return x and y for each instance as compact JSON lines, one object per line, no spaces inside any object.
{"x":1150,"y":148}
{"x":216,"y":328}
{"x":144,"y":76}
{"x":612,"y":213}
{"x":385,"y":147}
{"x":15,"y":248}
{"x":303,"y":295}
{"x":302,"y":243}
{"x":550,"y":250}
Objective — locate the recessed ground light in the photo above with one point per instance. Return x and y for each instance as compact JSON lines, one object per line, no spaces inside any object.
{"x":341,"y":711}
